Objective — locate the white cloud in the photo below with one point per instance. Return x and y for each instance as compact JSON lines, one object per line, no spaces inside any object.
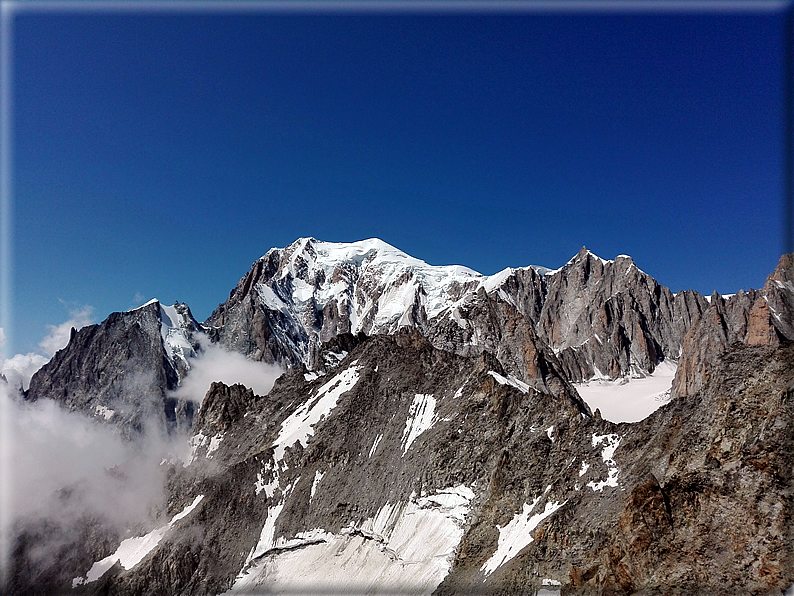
{"x":216,"y":364}
{"x":47,"y":449}
{"x":18,"y":369}
{"x":58,"y":335}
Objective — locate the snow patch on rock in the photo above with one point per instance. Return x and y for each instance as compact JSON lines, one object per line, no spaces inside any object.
{"x":611,"y":443}
{"x":517,"y":533}
{"x":421,"y":417}
{"x":375,"y":445}
{"x":132,"y":550}
{"x":104,"y":411}
{"x":510,"y":380}
{"x":299,"y":426}
{"x":318,"y":476}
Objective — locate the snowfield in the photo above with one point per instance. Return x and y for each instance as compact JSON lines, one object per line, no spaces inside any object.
{"x":629,"y":400}
{"x":406,"y":548}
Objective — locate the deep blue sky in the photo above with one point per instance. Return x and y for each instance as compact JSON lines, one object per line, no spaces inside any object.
{"x":160,"y":155}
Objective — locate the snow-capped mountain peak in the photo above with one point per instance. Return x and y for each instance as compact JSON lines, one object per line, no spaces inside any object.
{"x":356,"y":272}
{"x":321,"y":289}
{"x":177,"y":325}
{"x":311,"y":291}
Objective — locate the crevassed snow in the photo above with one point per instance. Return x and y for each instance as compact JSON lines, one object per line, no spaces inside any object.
{"x":611,"y":443}
{"x":420,"y":418}
{"x":299,"y":426}
{"x":132,"y":550}
{"x":454,"y":500}
{"x":629,"y":400}
{"x":509,"y":380}
{"x":405,"y":548}
{"x":375,"y":444}
{"x":517,"y":534}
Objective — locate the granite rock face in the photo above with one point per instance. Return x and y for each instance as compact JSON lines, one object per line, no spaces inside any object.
{"x":610,"y":319}
{"x":757,"y":318}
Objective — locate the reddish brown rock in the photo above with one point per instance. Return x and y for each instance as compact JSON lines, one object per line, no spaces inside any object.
{"x":760,"y":330}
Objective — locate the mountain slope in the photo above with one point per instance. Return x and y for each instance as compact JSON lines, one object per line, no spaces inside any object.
{"x":411,"y":469}
{"x":442,"y":448}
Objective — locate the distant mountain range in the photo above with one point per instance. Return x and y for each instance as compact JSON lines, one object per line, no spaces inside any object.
{"x":428,"y":435}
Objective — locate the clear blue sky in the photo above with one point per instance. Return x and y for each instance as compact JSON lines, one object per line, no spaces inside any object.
{"x":159,"y":155}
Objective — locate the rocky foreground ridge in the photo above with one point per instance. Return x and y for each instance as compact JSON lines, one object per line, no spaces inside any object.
{"x":428,"y":437}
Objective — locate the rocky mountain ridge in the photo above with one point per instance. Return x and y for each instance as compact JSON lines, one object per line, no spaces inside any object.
{"x":428,"y":436}
{"x":757,"y":318}
{"x":413,"y":470}
{"x":548,"y":328}
{"x":602,"y":318}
